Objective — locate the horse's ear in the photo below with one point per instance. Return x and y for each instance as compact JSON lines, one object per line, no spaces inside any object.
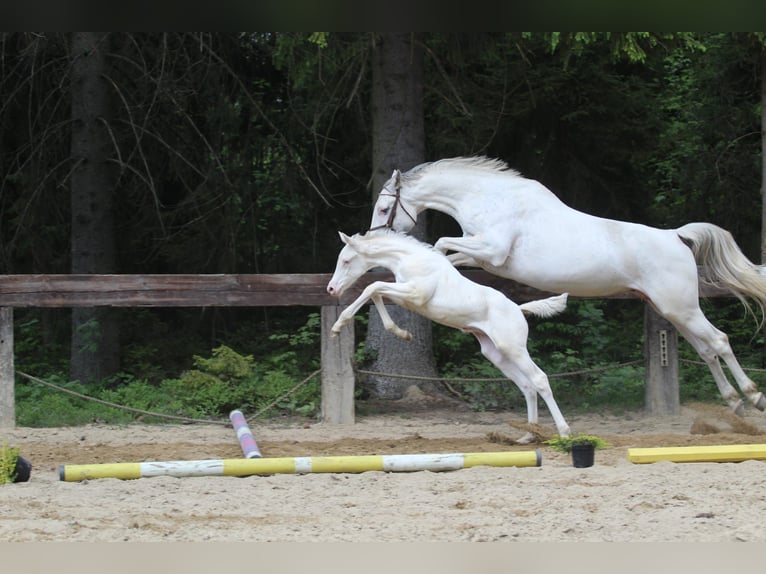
{"x":343,"y":237}
{"x":397,"y":177}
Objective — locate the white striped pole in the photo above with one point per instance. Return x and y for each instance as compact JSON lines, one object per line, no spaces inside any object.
{"x":299,"y":465}
{"x":246,"y":440}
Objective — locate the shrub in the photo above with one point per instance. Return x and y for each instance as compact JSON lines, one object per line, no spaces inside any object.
{"x":8,"y":457}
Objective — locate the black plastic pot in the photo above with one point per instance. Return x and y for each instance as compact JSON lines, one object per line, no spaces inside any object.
{"x":582,"y":455}
{"x":23,"y":470}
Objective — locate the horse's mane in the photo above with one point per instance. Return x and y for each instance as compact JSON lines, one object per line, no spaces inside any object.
{"x":482,"y":163}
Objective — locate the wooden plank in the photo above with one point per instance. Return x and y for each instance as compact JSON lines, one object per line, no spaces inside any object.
{"x":164,"y":290}
{"x":256,"y":290}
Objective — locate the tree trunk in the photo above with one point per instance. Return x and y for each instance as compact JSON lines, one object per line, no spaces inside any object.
{"x":398,"y":143}
{"x":763,"y":155}
{"x":94,"y":347}
{"x":763,"y":176}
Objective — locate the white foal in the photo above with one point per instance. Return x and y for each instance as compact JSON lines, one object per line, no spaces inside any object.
{"x":428,"y":284}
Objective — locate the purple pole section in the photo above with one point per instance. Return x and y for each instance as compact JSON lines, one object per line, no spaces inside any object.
{"x":245,"y":437}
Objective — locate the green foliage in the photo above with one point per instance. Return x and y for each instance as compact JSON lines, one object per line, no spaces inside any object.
{"x":706,"y":165}
{"x":8,"y":457}
{"x":39,"y":406}
{"x":216,"y":385}
{"x":565,"y":444}
{"x":229,"y":380}
{"x":225,"y":364}
{"x":36,"y":351}
{"x":319,"y":38}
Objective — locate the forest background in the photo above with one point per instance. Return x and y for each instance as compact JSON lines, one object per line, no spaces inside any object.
{"x":247,"y":152}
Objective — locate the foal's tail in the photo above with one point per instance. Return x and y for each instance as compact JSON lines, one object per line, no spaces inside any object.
{"x":546,"y":307}
{"x":726,"y":267}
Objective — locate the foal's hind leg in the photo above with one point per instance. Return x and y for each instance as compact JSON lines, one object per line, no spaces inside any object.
{"x":530,"y":379}
{"x":712,"y":344}
{"x":519,"y":366}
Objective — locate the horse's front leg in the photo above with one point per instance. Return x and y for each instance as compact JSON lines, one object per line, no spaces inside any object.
{"x":473,"y":248}
{"x":462,"y":260}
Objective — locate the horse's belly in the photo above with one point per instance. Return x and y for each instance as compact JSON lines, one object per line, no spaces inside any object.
{"x":558,"y":277}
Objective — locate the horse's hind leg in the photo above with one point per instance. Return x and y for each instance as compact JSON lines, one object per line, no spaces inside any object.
{"x":712,"y":344}
{"x":745,"y":383}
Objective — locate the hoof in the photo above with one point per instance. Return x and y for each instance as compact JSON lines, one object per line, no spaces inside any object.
{"x":760,"y":402}
{"x":739,"y":408}
{"x":527,"y":439}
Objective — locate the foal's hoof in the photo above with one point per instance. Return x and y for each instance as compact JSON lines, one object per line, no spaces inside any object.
{"x":528,"y":438}
{"x":760,"y":403}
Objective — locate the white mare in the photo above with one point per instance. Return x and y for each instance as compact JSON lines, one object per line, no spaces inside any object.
{"x":517,"y":228}
{"x":427,"y":283}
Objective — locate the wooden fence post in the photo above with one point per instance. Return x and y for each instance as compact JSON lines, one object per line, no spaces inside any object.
{"x":661,"y":393}
{"x":337,"y":370}
{"x":7,"y":370}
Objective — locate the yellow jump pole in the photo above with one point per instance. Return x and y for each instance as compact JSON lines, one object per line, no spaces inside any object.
{"x":721,"y":453}
{"x":298,"y":465}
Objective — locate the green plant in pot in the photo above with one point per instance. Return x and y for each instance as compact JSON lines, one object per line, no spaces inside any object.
{"x":13,"y":468}
{"x":581,"y":446}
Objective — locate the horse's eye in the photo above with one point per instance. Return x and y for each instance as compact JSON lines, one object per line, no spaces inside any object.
{"x":385,"y":210}
{"x":345,"y":262}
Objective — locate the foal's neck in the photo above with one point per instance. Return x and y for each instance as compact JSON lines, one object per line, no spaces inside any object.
{"x":390,"y":253}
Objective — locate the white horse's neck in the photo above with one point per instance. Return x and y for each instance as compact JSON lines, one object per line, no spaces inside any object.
{"x":452,"y":188}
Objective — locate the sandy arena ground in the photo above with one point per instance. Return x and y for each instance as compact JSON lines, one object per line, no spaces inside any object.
{"x":614,"y":500}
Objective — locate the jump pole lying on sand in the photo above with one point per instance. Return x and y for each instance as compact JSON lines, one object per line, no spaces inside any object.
{"x":721,"y":453}
{"x":246,"y":440}
{"x":298,"y":465}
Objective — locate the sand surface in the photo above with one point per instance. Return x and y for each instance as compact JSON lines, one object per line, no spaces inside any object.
{"x":615,"y":500}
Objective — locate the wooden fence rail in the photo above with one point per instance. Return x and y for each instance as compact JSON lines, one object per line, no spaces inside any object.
{"x":660,"y":339}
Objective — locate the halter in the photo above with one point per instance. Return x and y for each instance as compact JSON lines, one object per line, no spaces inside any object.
{"x":389,"y":224}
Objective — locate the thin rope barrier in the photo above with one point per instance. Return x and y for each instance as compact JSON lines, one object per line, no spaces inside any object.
{"x":702,"y":363}
{"x":163,"y":415}
{"x":263,"y":410}
{"x":498,"y":379}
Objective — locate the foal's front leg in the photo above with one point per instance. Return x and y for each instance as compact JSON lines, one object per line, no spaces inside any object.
{"x":388,"y":322}
{"x":376,"y":291}
{"x":472,"y":248}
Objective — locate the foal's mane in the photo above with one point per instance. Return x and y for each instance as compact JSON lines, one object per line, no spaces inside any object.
{"x":481,"y":163}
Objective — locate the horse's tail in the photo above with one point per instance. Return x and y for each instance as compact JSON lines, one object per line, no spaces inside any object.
{"x":545,"y":307}
{"x":725,"y":266}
